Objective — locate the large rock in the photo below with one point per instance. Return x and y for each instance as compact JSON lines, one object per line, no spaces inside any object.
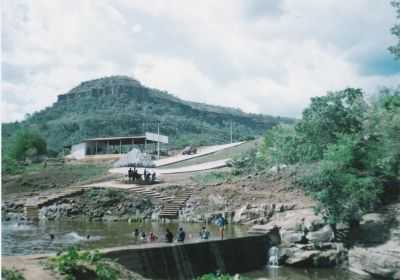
{"x":382,"y":261}
{"x":289,"y":237}
{"x":306,"y":257}
{"x":373,"y":228}
{"x":325,"y":234}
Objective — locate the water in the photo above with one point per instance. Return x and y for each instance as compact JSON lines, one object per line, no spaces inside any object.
{"x":291,"y":273}
{"x":26,"y":239}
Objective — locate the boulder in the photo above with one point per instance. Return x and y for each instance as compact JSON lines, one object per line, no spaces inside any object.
{"x":298,"y":257}
{"x":301,"y":257}
{"x":382,"y":261}
{"x":289,"y":237}
{"x":325,"y":234}
{"x":373,"y":228}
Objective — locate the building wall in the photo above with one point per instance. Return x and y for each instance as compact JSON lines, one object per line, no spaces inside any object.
{"x":78,"y":151}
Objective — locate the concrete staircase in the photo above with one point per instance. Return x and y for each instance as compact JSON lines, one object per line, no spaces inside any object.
{"x":171,"y":208}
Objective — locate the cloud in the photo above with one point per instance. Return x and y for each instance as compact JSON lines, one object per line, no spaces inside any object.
{"x":264,"y":56}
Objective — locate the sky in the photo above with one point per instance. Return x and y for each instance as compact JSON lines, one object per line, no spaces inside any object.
{"x":262,"y":56}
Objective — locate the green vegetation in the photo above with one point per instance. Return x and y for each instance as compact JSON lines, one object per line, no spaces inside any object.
{"x":396,"y":31}
{"x":76,"y":264}
{"x":11,"y":274}
{"x":348,"y":151}
{"x":120,"y":106}
{"x":37,"y":177}
{"x":212,"y":178}
{"x":26,"y":145}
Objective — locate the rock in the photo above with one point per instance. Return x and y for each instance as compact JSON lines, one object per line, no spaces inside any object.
{"x":382,"y":261}
{"x":325,"y":234}
{"x":373,"y":228}
{"x":289,"y":237}
{"x":297,"y":256}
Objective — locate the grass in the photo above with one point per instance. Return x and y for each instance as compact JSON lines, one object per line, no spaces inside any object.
{"x":38,"y":178}
{"x":214,"y":178}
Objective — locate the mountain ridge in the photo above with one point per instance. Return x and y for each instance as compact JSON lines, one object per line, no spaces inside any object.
{"x":121,"y":106}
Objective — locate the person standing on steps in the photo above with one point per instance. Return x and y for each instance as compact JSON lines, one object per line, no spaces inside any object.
{"x":221,"y":224}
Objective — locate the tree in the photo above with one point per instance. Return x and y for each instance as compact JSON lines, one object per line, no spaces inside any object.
{"x":341,"y":184}
{"x":337,"y":113}
{"x":395,"y":50}
{"x":27,"y":143}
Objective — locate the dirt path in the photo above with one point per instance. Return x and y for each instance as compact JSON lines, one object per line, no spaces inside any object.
{"x":30,"y":267}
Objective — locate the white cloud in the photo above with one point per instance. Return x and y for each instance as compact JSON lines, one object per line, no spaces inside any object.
{"x":257,"y":55}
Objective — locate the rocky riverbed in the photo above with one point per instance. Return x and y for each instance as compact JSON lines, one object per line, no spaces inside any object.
{"x":94,"y":204}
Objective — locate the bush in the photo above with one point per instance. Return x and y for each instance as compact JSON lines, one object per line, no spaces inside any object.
{"x":28,"y":143}
{"x":76,"y":264}
{"x":340,"y":184}
{"x":11,"y":274}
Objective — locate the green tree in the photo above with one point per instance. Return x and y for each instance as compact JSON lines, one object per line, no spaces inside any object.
{"x":280,"y":145}
{"x":337,"y":113}
{"x":340,"y":183}
{"x":395,"y":50}
{"x":27,"y":143}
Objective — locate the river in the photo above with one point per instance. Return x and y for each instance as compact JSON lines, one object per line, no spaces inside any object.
{"x":26,"y":239}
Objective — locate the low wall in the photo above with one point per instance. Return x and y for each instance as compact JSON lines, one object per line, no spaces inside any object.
{"x":186,"y":261}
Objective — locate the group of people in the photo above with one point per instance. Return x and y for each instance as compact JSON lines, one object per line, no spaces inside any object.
{"x":142,"y":235}
{"x":134,"y":176}
{"x":204,"y":233}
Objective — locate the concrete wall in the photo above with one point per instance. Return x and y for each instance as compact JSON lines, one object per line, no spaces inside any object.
{"x":186,"y":261}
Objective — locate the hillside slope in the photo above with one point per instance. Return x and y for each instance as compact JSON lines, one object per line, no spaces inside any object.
{"x":120,"y":106}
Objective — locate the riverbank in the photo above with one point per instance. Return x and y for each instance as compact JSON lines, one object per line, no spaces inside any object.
{"x":261,"y":200}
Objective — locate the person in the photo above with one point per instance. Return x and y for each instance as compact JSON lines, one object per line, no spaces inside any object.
{"x":134,"y":174}
{"x":136,"y":233}
{"x":51,"y":236}
{"x":143,"y":235}
{"x":169,"y":237}
{"x":204,"y":233}
{"x":130,"y":174}
{"x":152,"y":237}
{"x":181,"y":235}
{"x":153,"y":177}
{"x":88,"y":237}
{"x":221,"y":224}
{"x":147,"y":177}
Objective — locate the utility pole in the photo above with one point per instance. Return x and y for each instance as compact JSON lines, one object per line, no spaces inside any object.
{"x":231,"y":133}
{"x":158,"y":140}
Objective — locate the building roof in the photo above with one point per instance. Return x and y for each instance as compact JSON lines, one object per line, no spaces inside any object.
{"x":114,"y":138}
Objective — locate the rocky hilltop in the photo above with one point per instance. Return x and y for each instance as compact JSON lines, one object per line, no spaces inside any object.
{"x":120,"y":106}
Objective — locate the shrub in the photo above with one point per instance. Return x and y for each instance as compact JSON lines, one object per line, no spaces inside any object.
{"x":11,"y":274}
{"x":76,"y":264}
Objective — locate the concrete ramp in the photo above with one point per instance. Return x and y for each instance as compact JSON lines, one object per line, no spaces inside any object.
{"x":202,"y":151}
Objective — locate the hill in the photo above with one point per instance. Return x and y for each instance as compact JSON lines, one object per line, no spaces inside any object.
{"x":121,"y":106}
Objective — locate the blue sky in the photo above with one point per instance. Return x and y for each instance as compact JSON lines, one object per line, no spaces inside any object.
{"x":262,"y":56}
